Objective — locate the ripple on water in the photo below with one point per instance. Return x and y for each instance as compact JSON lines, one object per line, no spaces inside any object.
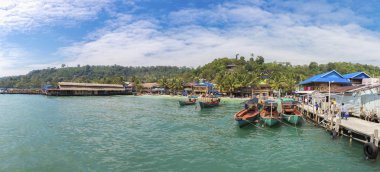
{"x":128,"y":133}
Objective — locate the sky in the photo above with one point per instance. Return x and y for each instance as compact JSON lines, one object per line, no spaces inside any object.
{"x":37,"y":34}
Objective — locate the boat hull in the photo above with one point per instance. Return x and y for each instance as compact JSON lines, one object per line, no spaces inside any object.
{"x":290,"y":118}
{"x":243,"y":122}
{"x":270,"y":121}
{"x":184,"y":103}
{"x":202,"y":105}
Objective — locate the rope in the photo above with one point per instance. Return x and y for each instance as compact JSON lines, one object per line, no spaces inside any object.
{"x":260,"y":127}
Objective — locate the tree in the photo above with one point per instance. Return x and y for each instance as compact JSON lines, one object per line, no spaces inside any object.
{"x":260,"y":60}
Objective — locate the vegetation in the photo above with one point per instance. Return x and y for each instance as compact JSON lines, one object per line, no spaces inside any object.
{"x":91,"y":74}
{"x":229,"y":74}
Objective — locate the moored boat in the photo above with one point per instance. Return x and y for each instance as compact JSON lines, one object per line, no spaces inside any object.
{"x":208,"y":103}
{"x":269,"y":115}
{"x":247,"y":116}
{"x":289,"y":112}
{"x":184,"y":103}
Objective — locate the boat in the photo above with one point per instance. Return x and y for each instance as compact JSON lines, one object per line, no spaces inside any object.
{"x":184,"y":103}
{"x":208,"y":103}
{"x":289,"y":112}
{"x":247,"y":116}
{"x":269,"y":115}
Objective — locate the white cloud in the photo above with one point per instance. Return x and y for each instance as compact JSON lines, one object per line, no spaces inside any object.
{"x":11,"y":60}
{"x":23,"y":15}
{"x":190,"y":37}
{"x":194,"y":38}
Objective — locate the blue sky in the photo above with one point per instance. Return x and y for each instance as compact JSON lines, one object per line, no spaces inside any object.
{"x":36,"y":34}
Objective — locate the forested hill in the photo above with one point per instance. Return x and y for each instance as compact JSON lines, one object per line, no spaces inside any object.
{"x":94,"y":74}
{"x":280,"y":75}
{"x":229,"y":74}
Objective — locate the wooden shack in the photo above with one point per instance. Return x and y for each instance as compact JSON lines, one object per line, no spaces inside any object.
{"x":86,"y":89}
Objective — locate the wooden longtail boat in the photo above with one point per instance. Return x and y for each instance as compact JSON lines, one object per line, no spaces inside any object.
{"x":213,"y":102}
{"x":269,"y":115}
{"x":247,"y":116}
{"x":289,"y":112}
{"x":184,"y":103}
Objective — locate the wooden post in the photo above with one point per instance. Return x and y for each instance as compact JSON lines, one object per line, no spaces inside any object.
{"x":337,"y":125}
{"x":350,"y":136}
{"x":376,"y":137}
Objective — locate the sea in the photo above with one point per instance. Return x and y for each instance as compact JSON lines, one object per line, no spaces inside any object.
{"x":153,"y":133}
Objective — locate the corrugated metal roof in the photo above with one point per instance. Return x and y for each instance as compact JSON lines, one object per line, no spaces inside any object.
{"x":356,"y":75}
{"x":90,"y":89}
{"x":204,"y":84}
{"x":331,"y":76}
{"x":150,"y":85}
{"x":89,"y":84}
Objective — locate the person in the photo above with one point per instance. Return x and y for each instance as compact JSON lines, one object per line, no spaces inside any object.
{"x":316,"y":106}
{"x":343,"y":111}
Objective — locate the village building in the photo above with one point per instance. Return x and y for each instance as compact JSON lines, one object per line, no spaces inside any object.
{"x":130,"y":87}
{"x":152,"y":88}
{"x":3,"y":90}
{"x":188,"y":88}
{"x":263,"y":90}
{"x":85,"y":89}
{"x":324,"y":81}
{"x":203,"y":88}
{"x":356,"y":78}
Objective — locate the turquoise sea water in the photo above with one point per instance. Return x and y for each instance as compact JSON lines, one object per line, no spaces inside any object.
{"x":129,"y":133}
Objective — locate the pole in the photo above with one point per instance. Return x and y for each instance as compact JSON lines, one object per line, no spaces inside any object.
{"x":271,"y":107}
{"x":329,"y":113}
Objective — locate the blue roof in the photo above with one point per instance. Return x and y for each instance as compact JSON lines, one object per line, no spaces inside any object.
{"x":331,"y":76}
{"x":356,"y":75}
{"x":205,"y":84}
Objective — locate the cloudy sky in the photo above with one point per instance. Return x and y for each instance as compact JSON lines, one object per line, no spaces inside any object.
{"x":36,"y":34}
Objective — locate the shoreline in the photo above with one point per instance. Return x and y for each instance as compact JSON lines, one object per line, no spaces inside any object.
{"x":142,"y":95}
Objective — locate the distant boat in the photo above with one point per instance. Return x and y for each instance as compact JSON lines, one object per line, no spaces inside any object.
{"x":208,"y":103}
{"x":184,"y":103}
{"x":269,"y":115}
{"x":289,"y":112}
{"x":247,"y":116}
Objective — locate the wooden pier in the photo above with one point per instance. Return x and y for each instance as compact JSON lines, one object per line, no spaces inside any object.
{"x":354,"y":128}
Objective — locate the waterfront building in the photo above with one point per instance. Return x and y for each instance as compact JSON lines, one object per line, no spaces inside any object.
{"x":152,"y":88}
{"x":130,"y":87}
{"x":360,"y":100}
{"x":262,"y":90}
{"x":188,"y":88}
{"x":85,"y":89}
{"x":203,"y":88}
{"x":324,"y":81}
{"x":356,"y":78}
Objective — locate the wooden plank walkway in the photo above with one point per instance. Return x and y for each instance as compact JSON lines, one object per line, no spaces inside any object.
{"x":354,"y":124}
{"x":359,"y":125}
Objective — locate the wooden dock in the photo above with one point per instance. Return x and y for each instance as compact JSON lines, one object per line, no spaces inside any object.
{"x":354,"y":128}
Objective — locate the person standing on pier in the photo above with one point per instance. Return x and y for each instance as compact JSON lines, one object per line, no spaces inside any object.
{"x":343,"y":111}
{"x":316,"y":106}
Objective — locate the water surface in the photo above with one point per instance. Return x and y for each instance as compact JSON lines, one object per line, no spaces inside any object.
{"x":134,"y":133}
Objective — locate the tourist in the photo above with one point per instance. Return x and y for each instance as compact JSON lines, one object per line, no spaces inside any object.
{"x":316,"y":106}
{"x":343,"y":111}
